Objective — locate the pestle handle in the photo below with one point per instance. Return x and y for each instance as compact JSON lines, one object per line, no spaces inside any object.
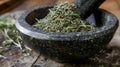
{"x":86,"y":7}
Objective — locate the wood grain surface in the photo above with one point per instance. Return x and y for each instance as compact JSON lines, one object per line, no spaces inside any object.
{"x":8,"y":5}
{"x":3,"y":1}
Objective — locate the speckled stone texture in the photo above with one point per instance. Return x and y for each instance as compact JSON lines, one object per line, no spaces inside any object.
{"x":73,"y":47}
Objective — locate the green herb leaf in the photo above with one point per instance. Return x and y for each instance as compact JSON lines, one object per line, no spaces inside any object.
{"x":10,"y":33}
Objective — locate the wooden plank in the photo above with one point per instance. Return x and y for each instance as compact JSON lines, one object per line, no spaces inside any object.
{"x":3,"y":1}
{"x":7,"y":5}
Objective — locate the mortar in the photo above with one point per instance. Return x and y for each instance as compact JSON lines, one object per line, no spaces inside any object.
{"x":72,"y":47}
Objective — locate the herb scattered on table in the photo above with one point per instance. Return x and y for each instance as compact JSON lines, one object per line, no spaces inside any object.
{"x":63,"y":18}
{"x":10,"y":33}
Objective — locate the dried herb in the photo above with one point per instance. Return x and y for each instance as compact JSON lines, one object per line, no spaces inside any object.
{"x":9,"y":31}
{"x":63,"y":18}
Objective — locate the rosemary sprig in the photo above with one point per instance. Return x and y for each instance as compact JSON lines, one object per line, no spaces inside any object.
{"x":10,"y":33}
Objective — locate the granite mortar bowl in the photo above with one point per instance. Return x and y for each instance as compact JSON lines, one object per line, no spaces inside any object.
{"x":73,"y":47}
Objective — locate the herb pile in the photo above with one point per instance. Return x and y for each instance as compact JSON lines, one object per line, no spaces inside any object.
{"x":63,"y":18}
{"x":9,"y":32}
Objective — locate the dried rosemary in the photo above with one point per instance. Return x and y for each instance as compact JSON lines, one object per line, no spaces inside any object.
{"x":9,"y":32}
{"x":63,"y":18}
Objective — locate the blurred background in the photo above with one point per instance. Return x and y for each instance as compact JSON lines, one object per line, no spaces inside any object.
{"x":16,"y":5}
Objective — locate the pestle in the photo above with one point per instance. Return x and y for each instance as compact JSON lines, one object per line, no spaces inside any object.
{"x":86,"y":7}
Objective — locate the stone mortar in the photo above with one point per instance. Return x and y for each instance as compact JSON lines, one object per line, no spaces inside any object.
{"x":73,"y":47}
